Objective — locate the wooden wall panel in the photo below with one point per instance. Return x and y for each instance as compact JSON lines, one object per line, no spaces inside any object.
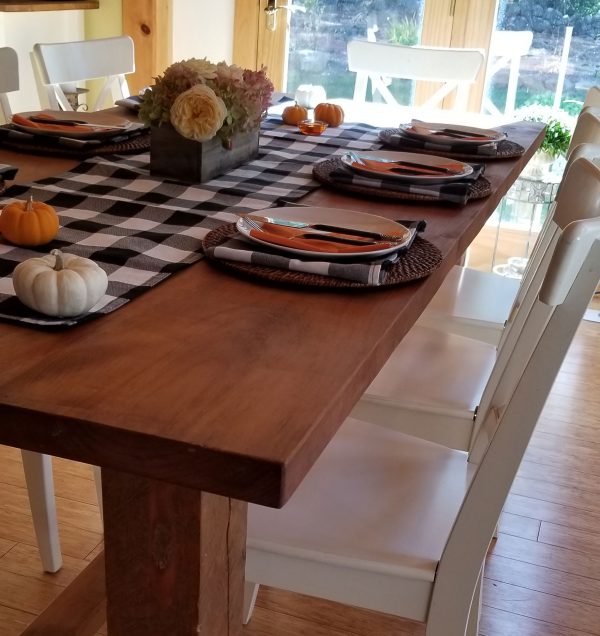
{"x":150,"y":24}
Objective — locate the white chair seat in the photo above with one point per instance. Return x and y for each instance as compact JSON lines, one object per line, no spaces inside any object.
{"x":477,"y":302}
{"x":399,"y":545}
{"x":431,"y":385}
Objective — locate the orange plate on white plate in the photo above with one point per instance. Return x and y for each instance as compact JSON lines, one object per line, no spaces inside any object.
{"x":330,"y":216}
{"x":434,"y":132}
{"x":99,"y":118}
{"x":411,"y":167}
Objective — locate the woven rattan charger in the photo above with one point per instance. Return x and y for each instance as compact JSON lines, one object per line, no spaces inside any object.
{"x":505,"y":149}
{"x":136,"y":143}
{"x":418,"y":261}
{"x":323,"y":170}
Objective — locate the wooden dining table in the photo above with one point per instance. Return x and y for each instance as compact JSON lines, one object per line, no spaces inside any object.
{"x":208,"y":392}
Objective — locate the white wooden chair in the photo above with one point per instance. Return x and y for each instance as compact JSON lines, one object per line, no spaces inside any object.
{"x":398,"y":525}
{"x":437,"y":385}
{"x":68,"y":63}
{"x":37,"y":467}
{"x":9,"y":79}
{"x":593,"y":97}
{"x":477,"y":304}
{"x":454,"y":68}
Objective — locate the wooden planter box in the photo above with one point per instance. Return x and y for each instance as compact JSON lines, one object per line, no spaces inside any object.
{"x":172,"y":155}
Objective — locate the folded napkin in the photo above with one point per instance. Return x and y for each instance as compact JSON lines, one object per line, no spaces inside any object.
{"x":451,"y":191}
{"x":405,"y":142}
{"x":26,"y":122}
{"x":7,"y":172}
{"x":369,"y":272}
{"x":13,"y":137}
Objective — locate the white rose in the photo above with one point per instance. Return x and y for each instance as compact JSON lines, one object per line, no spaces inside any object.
{"x":198,"y":113}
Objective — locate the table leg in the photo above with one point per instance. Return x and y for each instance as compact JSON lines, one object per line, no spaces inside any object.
{"x":174,"y":559}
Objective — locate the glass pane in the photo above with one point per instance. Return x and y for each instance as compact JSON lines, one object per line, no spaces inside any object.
{"x":319,"y":34}
{"x":559,"y":64}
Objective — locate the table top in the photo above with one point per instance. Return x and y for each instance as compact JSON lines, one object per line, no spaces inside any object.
{"x":217,"y":382}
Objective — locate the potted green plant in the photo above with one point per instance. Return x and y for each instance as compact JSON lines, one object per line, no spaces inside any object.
{"x":555,"y":144}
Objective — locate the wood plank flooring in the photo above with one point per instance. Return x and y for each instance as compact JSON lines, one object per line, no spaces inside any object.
{"x":542,"y":575}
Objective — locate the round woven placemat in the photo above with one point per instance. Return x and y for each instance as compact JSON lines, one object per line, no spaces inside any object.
{"x":322,"y":172}
{"x":418,"y":261}
{"x":135,"y":144}
{"x":504,"y":150}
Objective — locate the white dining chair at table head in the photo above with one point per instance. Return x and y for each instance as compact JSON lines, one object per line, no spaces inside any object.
{"x":402,"y":526}
{"x":438,"y":385}
{"x":476,"y":303}
{"x":36,"y":466}
{"x":9,"y":79}
{"x":592,"y":98}
{"x":456,"y":69}
{"x":59,"y":64}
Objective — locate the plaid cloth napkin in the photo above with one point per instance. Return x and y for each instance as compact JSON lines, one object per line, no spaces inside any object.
{"x":7,"y":172}
{"x":8,"y":135}
{"x":402,"y":141}
{"x":369,"y":272}
{"x":451,"y":191}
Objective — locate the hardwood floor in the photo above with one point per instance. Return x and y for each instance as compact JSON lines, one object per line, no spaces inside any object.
{"x":542,"y":575}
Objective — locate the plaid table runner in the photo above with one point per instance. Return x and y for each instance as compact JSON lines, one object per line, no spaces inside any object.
{"x":141,"y":228}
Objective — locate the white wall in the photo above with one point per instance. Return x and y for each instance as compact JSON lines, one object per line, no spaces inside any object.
{"x":21,"y":30}
{"x":203,"y":28}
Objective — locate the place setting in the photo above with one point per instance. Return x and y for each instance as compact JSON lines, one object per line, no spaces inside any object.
{"x":322,"y":247}
{"x":408,"y":176}
{"x":457,"y":140}
{"x":74,"y":133}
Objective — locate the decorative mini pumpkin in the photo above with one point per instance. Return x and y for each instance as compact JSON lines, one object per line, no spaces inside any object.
{"x":28,"y":222}
{"x":59,"y":284}
{"x":332,"y":114}
{"x":293,"y":114}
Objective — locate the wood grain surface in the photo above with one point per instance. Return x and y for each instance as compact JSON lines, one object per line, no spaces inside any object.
{"x":219,"y":383}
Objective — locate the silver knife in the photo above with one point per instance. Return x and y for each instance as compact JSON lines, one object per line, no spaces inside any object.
{"x":326,"y":228}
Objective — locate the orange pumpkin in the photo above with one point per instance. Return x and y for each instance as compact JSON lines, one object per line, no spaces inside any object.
{"x":28,"y":222}
{"x":331,"y":114}
{"x":293,"y":114}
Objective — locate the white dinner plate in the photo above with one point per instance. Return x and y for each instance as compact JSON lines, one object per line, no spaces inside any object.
{"x":116,"y":124}
{"x":347,"y":219}
{"x":447,"y":134}
{"x":400,"y":166}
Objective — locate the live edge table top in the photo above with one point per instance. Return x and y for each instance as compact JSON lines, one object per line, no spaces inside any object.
{"x":217,"y":382}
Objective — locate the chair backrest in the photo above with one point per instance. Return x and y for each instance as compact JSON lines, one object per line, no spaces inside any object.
{"x":578,"y":199}
{"x":587,"y":136}
{"x":455,"y":68}
{"x":58,"y":64}
{"x":9,"y":78}
{"x":570,"y":281}
{"x":593,"y":97}
{"x":587,"y":129}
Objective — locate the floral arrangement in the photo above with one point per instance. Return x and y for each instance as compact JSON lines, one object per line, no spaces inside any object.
{"x":559,"y":125}
{"x":203,"y":100}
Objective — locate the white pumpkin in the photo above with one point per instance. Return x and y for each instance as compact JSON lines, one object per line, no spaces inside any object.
{"x":59,"y":284}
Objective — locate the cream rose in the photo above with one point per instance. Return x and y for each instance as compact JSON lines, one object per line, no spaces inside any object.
{"x":198,"y":113}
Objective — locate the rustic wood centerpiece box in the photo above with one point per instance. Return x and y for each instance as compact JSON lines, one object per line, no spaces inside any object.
{"x":172,"y":155}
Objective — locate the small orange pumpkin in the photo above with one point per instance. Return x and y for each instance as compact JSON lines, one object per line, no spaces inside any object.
{"x":331,"y":114}
{"x":28,"y":222}
{"x":293,"y":114}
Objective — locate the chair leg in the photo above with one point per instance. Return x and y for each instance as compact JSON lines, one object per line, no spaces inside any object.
{"x":250,"y":594}
{"x":473,"y":624}
{"x":40,"y":486}
{"x":98,"y":481}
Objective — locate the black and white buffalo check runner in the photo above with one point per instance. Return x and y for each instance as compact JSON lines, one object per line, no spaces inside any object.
{"x":141,"y":228}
